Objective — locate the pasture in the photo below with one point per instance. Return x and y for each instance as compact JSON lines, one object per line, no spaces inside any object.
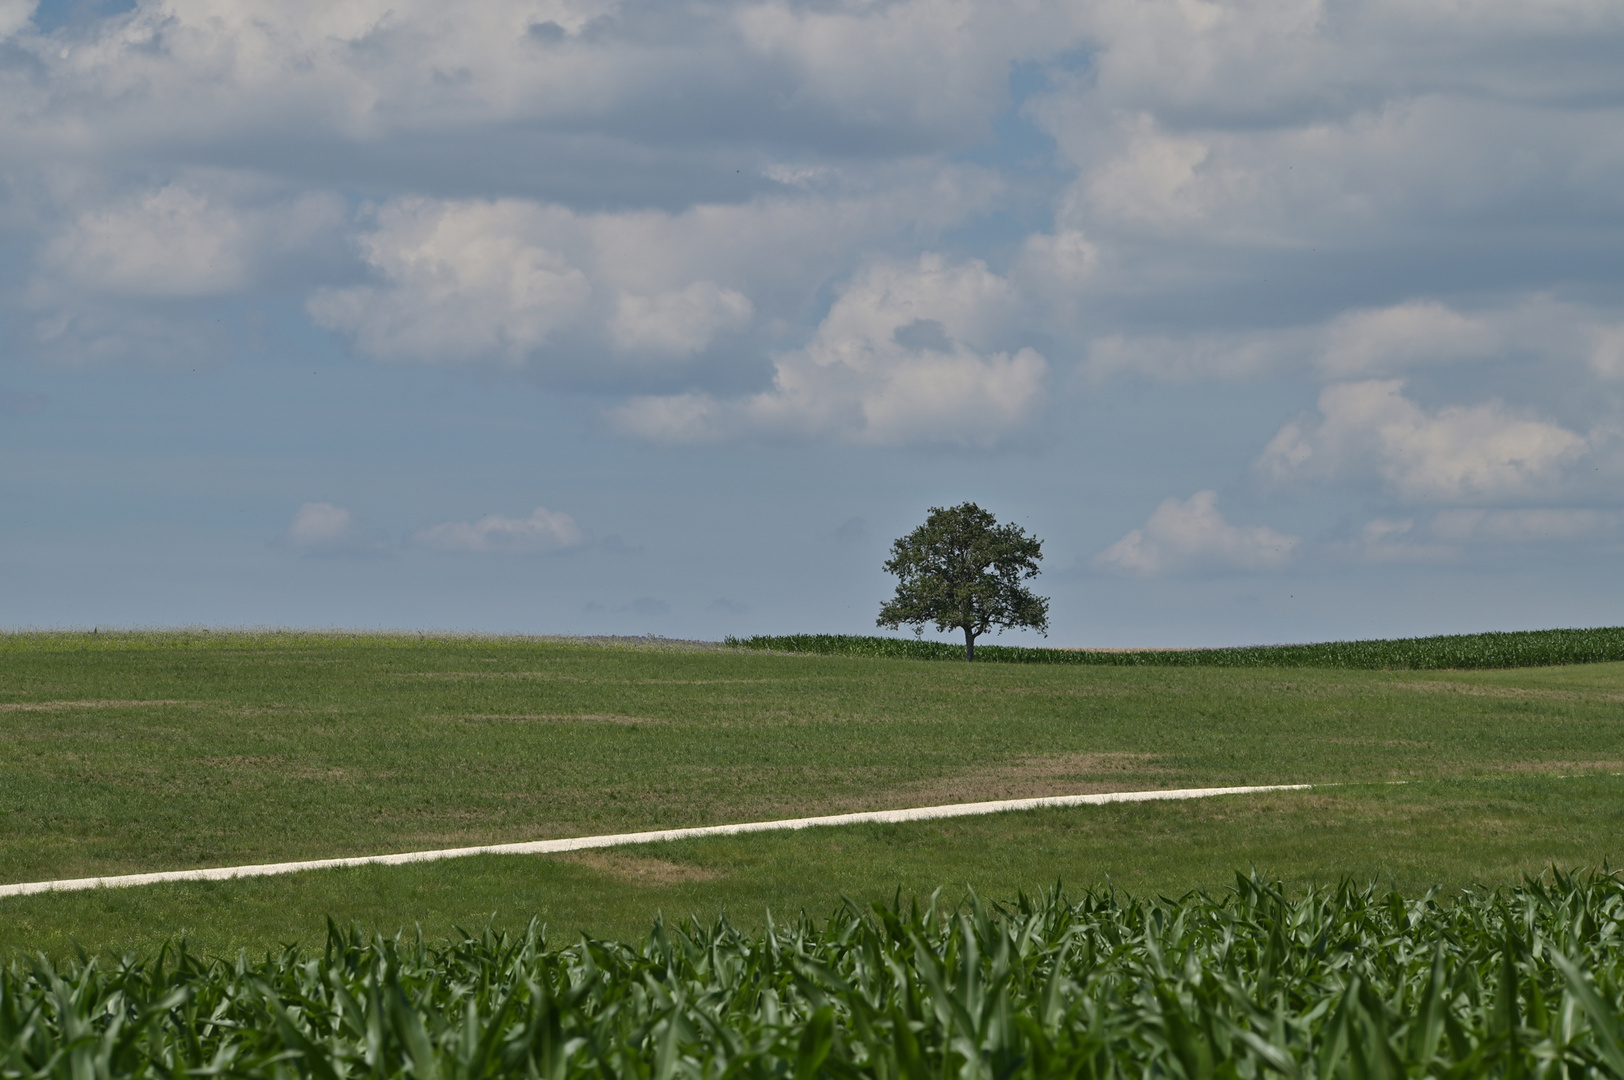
{"x":123,"y":753}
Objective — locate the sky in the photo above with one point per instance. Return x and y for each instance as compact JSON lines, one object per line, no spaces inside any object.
{"x":1276,"y":320}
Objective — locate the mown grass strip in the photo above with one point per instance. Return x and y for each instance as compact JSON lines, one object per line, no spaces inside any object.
{"x":1514,"y":649}
{"x":1339,"y":982}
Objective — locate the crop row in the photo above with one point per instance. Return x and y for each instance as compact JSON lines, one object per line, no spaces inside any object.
{"x":1341,"y":982}
{"x":1531,"y":648}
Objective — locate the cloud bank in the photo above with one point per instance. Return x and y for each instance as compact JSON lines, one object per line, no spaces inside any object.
{"x":1359,"y":260}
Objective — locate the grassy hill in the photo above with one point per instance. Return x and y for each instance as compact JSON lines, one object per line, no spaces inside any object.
{"x":129,"y":752}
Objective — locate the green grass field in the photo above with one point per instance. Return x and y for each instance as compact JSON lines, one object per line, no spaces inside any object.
{"x":124,"y":753}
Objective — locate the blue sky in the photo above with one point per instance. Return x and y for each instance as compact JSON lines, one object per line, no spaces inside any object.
{"x":1276,"y":320}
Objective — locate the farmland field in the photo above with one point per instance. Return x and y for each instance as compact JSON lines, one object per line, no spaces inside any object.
{"x":1337,"y":982}
{"x":1524,"y":648}
{"x":133,"y":752}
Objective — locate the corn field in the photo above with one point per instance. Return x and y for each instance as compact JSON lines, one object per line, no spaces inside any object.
{"x":1341,"y":982}
{"x":1524,"y":648}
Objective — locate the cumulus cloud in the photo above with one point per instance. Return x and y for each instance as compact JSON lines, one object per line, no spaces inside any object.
{"x":168,"y":242}
{"x":1192,"y":535}
{"x":1057,"y":263}
{"x":678,"y":322}
{"x":1153,"y":179}
{"x":141,"y":274}
{"x":848,"y":78}
{"x":462,"y":281}
{"x":525,"y":282}
{"x":901,"y":357}
{"x":15,"y":15}
{"x":180,"y":240}
{"x":869,"y":64}
{"x":1458,"y":453}
{"x":1209,"y":142}
{"x":657,"y":203}
{"x":1384,"y":340}
{"x":1275,"y":125}
{"x":543,"y":531}
{"x":321,"y":528}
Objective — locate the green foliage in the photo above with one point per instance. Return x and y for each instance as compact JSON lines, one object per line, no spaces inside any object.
{"x":1528,"y":648}
{"x":961,"y":570}
{"x":1340,"y":982}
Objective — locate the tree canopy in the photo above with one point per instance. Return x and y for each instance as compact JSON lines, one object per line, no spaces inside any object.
{"x":961,"y":570}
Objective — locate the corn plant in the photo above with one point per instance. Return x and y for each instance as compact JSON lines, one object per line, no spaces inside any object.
{"x":1338,"y":982}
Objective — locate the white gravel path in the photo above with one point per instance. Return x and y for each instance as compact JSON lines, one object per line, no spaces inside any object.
{"x":548,"y":847}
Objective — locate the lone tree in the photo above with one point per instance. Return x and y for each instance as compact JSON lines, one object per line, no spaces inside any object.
{"x":963,"y":571}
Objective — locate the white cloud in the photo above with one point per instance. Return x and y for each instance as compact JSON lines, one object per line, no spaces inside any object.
{"x":464,"y":281}
{"x":15,"y":15}
{"x":369,"y":69}
{"x":678,"y":322}
{"x":780,"y":250}
{"x":179,"y":240}
{"x":930,"y":68}
{"x":1153,"y":179}
{"x":527,"y":283}
{"x":1267,"y":127}
{"x":1186,"y":53}
{"x":801,"y":176}
{"x":1276,"y":125}
{"x":902,"y":357}
{"x":1192,"y":535}
{"x":322,"y":528}
{"x":364,"y":68}
{"x":1065,"y":256}
{"x":1454,"y":454}
{"x":1383,"y":340}
{"x":140,"y":274}
{"x":543,"y":531}
{"x":1057,"y":271}
{"x":906,"y":397}
{"x":592,"y":210}
{"x":170,"y":242}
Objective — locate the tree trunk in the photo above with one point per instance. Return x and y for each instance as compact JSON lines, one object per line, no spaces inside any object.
{"x":969,"y":645}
